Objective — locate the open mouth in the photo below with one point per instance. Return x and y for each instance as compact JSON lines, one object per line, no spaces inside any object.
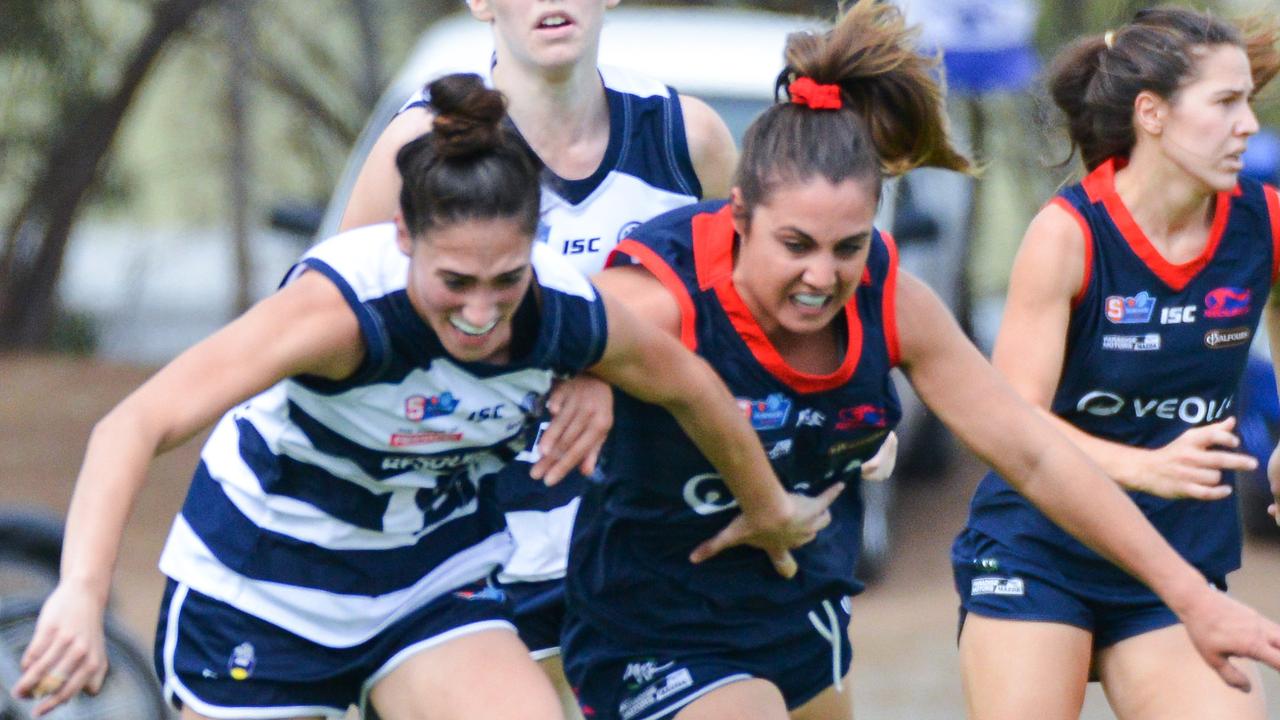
{"x":811,"y":301}
{"x":467,"y":328}
{"x":554,"y":21}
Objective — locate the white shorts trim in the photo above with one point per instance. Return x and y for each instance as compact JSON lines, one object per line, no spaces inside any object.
{"x":399,"y":658}
{"x":545,"y":653}
{"x":671,"y":709}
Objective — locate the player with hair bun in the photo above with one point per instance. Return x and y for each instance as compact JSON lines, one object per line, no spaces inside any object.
{"x":339,"y":529}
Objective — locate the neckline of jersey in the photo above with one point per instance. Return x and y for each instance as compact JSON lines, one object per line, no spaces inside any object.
{"x":1100,"y":186}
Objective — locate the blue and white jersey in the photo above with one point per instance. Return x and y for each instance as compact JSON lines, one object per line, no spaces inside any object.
{"x":334,"y":508}
{"x":646,"y":171}
{"x":1153,"y":349}
{"x":629,"y":572}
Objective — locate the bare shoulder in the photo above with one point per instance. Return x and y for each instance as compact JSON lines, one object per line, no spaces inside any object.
{"x":1053,"y":256}
{"x":711,"y":147}
{"x":643,"y":294}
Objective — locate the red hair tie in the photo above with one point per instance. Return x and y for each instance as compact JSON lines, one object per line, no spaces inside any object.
{"x":804,"y":91}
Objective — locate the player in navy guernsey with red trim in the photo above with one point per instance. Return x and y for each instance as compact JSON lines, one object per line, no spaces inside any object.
{"x":795,"y":299}
{"x":1131,"y":309}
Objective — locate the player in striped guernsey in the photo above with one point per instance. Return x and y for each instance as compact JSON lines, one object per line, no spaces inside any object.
{"x":619,"y":148}
{"x":795,"y":299}
{"x":340,"y":517}
{"x":1131,"y":306}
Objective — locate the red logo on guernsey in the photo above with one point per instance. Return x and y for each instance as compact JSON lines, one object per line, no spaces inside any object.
{"x":860,"y":416}
{"x":1225,"y":302}
{"x":423,"y":438}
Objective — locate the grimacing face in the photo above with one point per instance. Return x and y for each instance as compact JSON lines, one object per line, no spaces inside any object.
{"x":803,"y":253}
{"x":466,"y":281}
{"x":547,"y":34}
{"x":1207,"y":124}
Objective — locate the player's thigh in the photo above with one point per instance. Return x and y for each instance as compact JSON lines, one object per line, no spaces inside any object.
{"x":486,"y":675}
{"x":554,"y":668}
{"x":748,"y":699}
{"x":1017,"y":669}
{"x":1159,"y":675}
{"x":834,"y":703}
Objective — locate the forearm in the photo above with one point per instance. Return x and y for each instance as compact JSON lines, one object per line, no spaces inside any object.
{"x":113,"y":472}
{"x":1121,"y":463}
{"x":1071,"y":492}
{"x":710,"y":416}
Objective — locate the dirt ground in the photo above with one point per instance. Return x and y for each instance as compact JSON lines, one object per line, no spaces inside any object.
{"x":904,"y":625}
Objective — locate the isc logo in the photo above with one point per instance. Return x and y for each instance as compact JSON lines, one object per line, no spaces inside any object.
{"x":489,"y":413}
{"x":577,"y":246}
{"x":1178,"y":315}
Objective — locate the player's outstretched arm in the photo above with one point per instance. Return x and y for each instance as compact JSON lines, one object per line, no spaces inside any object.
{"x":990,"y":417}
{"x":304,"y":328}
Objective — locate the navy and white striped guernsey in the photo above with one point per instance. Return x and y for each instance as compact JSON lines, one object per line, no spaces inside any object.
{"x":646,"y":170}
{"x":629,"y":572}
{"x":1152,"y":350}
{"x":332,"y":509}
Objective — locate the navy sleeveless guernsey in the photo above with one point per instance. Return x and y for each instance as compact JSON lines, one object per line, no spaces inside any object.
{"x":646,"y":170}
{"x":629,"y":573}
{"x":1152,"y":350}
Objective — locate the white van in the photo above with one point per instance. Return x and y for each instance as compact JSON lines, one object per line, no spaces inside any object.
{"x":730,"y":59}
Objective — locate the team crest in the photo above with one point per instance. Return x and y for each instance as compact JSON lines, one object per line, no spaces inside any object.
{"x":1123,"y":310}
{"x":768,"y":414}
{"x":421,"y":407}
{"x":240,"y":665}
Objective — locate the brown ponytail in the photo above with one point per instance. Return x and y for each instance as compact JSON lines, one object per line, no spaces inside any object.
{"x":892,"y":119}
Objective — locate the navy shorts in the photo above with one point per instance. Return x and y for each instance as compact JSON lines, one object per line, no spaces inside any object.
{"x":994,"y":583}
{"x":613,"y":681}
{"x":225,"y":663}
{"x":537,"y":609}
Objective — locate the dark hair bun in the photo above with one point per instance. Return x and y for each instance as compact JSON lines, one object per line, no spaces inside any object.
{"x":468,"y":115}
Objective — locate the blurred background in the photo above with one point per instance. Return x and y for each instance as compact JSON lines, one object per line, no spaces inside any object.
{"x":163,"y":162}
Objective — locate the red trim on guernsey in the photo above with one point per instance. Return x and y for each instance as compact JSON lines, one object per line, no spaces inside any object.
{"x":1273,"y":211}
{"x":1101,"y":184}
{"x":713,"y":235}
{"x":889,"y":301}
{"x":713,"y":241}
{"x":661,"y":270}
{"x":1088,"y":247}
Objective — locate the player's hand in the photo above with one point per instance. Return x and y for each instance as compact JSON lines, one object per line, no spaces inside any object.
{"x":581,"y":416}
{"x":1191,"y":466}
{"x":880,"y":466}
{"x":1273,"y":476}
{"x":67,"y":653}
{"x":806,"y":517}
{"x":1222,"y":628}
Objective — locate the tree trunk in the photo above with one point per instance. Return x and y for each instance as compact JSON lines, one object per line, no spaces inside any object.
{"x":367,"y":12}
{"x":32,"y":259}
{"x":240,"y":35}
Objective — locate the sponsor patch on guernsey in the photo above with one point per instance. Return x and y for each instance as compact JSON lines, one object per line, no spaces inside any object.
{"x":1131,"y":343}
{"x":1219,"y":338}
{"x":423,"y":438}
{"x":997,"y":586}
